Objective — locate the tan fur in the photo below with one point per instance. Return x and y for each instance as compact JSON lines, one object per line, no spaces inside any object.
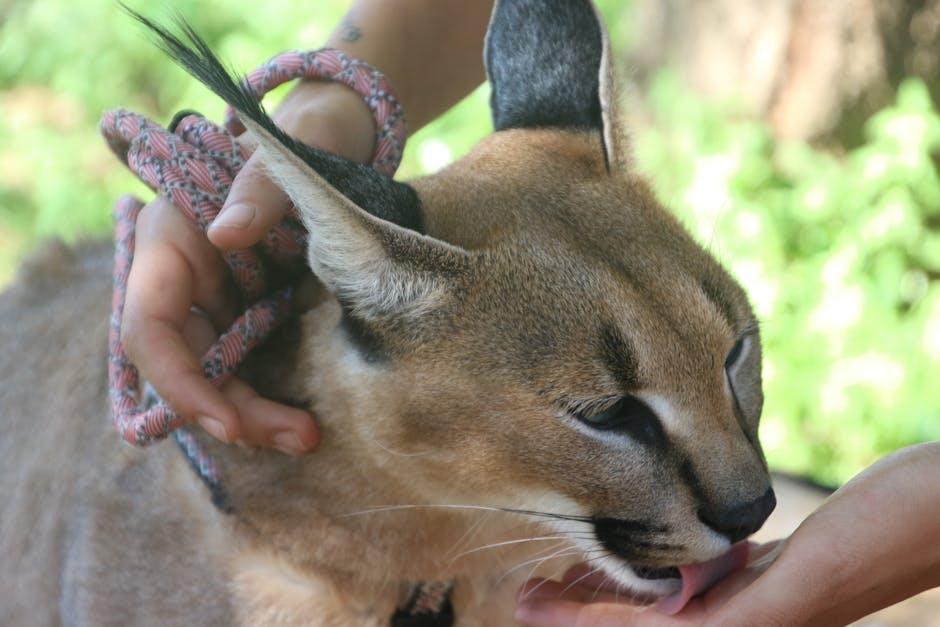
{"x":94,"y":532}
{"x":550,"y":281}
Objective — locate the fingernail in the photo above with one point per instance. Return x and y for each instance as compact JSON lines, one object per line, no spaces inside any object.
{"x":288,"y":442}
{"x":235,"y":217}
{"x":215,"y":428}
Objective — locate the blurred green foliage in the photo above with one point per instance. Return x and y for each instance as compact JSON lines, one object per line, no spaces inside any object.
{"x":841,"y":258}
{"x":841,"y":254}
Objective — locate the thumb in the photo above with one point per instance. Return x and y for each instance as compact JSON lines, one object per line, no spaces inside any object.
{"x":254,"y":205}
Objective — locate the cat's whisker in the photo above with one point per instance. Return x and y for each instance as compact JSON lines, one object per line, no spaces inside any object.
{"x":541,"y":553}
{"x":602,"y":583}
{"x":507,"y":543}
{"x":395,"y":508}
{"x":472,"y":532}
{"x":537,"y":566}
{"x":580,"y":579}
{"x":539,"y":584}
{"x":563,"y":552}
{"x":486,"y":508}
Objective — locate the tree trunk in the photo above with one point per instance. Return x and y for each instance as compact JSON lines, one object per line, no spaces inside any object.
{"x":813,"y":69}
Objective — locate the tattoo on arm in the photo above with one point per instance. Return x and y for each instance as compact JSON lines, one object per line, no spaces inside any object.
{"x":350,"y":32}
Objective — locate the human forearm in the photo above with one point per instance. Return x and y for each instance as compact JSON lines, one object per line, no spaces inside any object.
{"x":431,"y":50}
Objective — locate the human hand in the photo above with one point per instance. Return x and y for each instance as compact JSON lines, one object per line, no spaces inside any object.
{"x":180,"y":295}
{"x":592,"y":600}
{"x":875,"y":542}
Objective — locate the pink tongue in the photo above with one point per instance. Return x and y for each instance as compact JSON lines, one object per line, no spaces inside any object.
{"x":697,"y":578}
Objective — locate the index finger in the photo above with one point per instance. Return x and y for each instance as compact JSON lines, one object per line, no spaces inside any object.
{"x":254,"y":205}
{"x":159,"y":293}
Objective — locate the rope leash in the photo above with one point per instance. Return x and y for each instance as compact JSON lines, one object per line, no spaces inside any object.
{"x":193,"y":164}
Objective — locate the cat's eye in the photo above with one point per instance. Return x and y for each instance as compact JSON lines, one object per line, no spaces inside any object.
{"x":735,"y":355}
{"x":742,"y":373}
{"x":629,"y":415}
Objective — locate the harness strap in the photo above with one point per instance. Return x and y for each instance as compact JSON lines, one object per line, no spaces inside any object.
{"x":429,"y":605}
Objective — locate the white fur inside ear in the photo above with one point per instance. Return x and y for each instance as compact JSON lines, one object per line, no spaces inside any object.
{"x":344,"y":246}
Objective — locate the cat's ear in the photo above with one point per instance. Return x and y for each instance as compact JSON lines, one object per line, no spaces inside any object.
{"x":365,"y":230}
{"x":548,"y":62}
{"x":375,"y":267}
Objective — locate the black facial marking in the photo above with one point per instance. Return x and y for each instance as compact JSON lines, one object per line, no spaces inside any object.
{"x":654,"y":546}
{"x":618,"y":354}
{"x":670,"y":572}
{"x":543,"y":60}
{"x":625,"y":527}
{"x":365,"y":339}
{"x":689,"y":476}
{"x":630,"y":539}
{"x":735,"y":353}
{"x":376,"y":194}
{"x":630,"y":416}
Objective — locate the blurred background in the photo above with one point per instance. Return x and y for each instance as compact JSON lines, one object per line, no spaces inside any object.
{"x":798,"y":139}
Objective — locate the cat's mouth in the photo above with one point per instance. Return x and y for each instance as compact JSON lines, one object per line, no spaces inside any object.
{"x":637,"y":543}
{"x":677,"y":585}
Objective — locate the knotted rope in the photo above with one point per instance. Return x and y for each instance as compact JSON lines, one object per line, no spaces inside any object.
{"x":193,"y":164}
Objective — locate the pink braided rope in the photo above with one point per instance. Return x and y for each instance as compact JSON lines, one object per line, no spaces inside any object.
{"x":194,"y":166}
{"x":359,"y":76}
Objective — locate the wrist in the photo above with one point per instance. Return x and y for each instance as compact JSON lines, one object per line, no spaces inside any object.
{"x":331,"y":116}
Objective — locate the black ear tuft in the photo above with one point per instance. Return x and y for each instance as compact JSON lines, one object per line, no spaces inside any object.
{"x":544,"y":60}
{"x":376,"y":194}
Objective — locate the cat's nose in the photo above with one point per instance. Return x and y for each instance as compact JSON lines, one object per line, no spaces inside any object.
{"x":740,"y":520}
